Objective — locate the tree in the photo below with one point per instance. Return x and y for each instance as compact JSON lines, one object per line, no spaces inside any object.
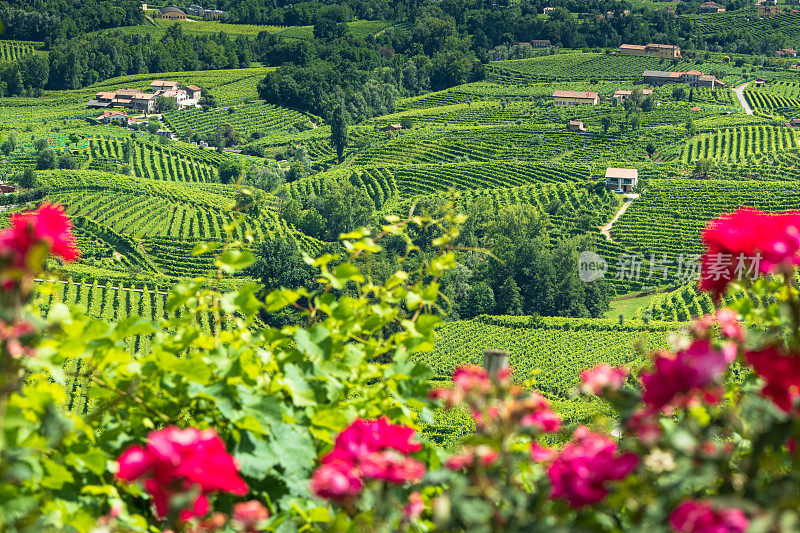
{"x":678,"y":93}
{"x":226,"y":136}
{"x":164,"y":104}
{"x":339,"y":134}
{"x":509,"y":298}
{"x":7,"y":147}
{"x":46,"y":160}
{"x":635,"y":122}
{"x":153,"y":125}
{"x":40,"y":144}
{"x":702,"y":167}
{"x":480,"y":301}
{"x":691,"y":129}
{"x":229,"y":171}
{"x":66,"y":161}
{"x":650,"y":149}
{"x":605,"y":122}
{"x":28,"y":179}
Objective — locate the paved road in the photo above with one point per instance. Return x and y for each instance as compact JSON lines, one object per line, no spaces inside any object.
{"x":739,"y":92}
{"x":606,"y":230}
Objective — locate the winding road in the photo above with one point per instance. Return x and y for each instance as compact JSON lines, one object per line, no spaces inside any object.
{"x":606,"y":230}
{"x":739,"y":92}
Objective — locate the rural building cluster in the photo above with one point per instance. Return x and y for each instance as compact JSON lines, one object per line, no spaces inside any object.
{"x":181,"y":13}
{"x":146,"y":102}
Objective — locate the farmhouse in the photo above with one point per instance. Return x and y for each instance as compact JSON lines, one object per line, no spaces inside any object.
{"x":161,"y":85}
{"x":171,"y":13}
{"x":693,"y":78}
{"x":195,"y":11}
{"x":215,"y":14}
{"x":711,"y":7}
{"x":759,"y":82}
{"x":541,"y":43}
{"x":114,"y":116}
{"x":576,"y":125}
{"x":567,"y":98}
{"x":660,"y":77}
{"x":621,"y":179}
{"x":786,"y":52}
{"x":125,"y":98}
{"x":624,"y":94}
{"x":668,"y":51}
{"x":392,"y":127}
{"x":7,"y":188}
{"x":794,"y":123}
{"x":768,"y":11}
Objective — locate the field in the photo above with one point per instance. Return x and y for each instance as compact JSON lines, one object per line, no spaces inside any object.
{"x":669,"y":218}
{"x":141,"y":203}
{"x":260,"y":117}
{"x":737,"y":144}
{"x":12,"y":50}
{"x":359,"y":28}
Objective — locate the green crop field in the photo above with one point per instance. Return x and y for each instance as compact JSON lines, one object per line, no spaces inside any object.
{"x":359,"y":28}
{"x":741,"y":143}
{"x":141,"y":203}
{"x":12,"y":50}
{"x":672,"y":213}
{"x":246,"y":118}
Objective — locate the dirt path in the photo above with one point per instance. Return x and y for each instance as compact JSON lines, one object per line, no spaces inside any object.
{"x":606,"y":230}
{"x":739,"y":92}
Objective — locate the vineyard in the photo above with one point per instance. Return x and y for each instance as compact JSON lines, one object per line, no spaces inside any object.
{"x":359,"y":28}
{"x":738,"y":144}
{"x":551,"y":351}
{"x":13,"y":50}
{"x":484,"y":143}
{"x":671,"y":215}
{"x":154,"y":224}
{"x":260,"y":117}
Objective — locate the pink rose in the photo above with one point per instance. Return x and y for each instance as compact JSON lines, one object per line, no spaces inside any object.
{"x":602,"y":378}
{"x":701,"y":517}
{"x":414,"y":507}
{"x":689,"y":370}
{"x":743,"y":234}
{"x":335,"y":481}
{"x":178,"y":460}
{"x":249,"y":514}
{"x":582,"y":469}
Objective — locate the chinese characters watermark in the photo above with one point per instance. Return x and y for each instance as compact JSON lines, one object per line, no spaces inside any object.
{"x":663,"y":268}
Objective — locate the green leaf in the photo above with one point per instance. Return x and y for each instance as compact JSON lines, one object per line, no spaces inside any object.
{"x":234,"y":260}
{"x":56,"y":476}
{"x":204,"y":248}
{"x":278,"y":299}
{"x":293,"y":447}
{"x":298,"y":387}
{"x":348,"y":272}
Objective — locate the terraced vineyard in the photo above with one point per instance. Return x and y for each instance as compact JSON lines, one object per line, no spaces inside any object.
{"x":153,"y":224}
{"x":248,"y":117}
{"x":738,"y":144}
{"x":154,"y":161}
{"x":745,"y":21}
{"x":571,"y":65}
{"x":522,"y":142}
{"x":671,"y":215}
{"x":558,"y":348}
{"x":359,"y":28}
{"x":13,"y":50}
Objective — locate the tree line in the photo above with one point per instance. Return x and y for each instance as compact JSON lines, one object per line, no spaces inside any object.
{"x":82,"y":61}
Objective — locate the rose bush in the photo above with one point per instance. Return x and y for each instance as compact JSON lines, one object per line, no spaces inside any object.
{"x":318,"y":426}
